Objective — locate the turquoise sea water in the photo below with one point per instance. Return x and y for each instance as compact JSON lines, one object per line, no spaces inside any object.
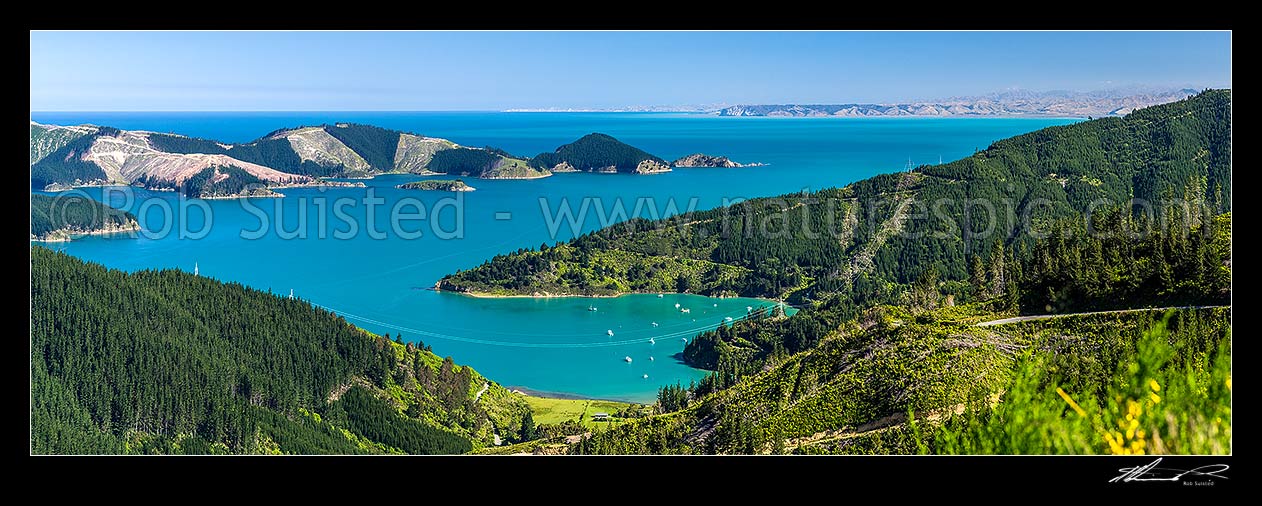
{"x":550,"y":345}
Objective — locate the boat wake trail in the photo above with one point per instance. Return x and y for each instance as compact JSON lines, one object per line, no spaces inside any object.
{"x":520,"y":344}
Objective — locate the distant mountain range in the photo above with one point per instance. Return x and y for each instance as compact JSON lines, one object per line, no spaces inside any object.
{"x":1011,"y":103}
{"x":1113,"y":102}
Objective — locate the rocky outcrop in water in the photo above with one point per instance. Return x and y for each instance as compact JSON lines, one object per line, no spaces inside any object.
{"x":449,"y":185}
{"x":650,"y":167}
{"x":704,"y":160}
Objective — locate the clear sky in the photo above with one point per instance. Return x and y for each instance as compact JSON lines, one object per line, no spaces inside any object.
{"x":243,"y":71}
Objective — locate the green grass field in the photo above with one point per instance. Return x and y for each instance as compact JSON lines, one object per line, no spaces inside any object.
{"x":549,"y":411}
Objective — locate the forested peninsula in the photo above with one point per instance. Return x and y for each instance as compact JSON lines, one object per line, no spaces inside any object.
{"x":55,"y":219}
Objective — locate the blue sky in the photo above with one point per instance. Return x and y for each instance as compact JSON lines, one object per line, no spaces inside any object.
{"x":274,"y":71}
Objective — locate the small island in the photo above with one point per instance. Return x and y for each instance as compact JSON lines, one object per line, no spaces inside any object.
{"x":438,"y":185}
{"x":599,"y":153}
{"x":703,"y":160}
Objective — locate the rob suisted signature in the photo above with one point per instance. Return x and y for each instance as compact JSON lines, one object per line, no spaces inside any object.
{"x":1151,"y":472}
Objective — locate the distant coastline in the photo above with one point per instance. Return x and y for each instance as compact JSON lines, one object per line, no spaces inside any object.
{"x":1006,"y":104}
{"x":714,"y":114}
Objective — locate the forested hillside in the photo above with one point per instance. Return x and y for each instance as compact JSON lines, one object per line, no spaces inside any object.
{"x":489,"y":162}
{"x":268,"y":152}
{"x":377,"y":145}
{"x":595,"y":152}
{"x":54,"y":219}
{"x":169,"y":362}
{"x":65,"y":165}
{"x":48,"y":138}
{"x":1071,"y":271}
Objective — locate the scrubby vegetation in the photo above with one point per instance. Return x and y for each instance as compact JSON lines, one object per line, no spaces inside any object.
{"x":375,"y":144}
{"x":902,"y":386}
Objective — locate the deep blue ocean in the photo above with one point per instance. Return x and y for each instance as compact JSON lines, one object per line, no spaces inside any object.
{"x":548,"y":345}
